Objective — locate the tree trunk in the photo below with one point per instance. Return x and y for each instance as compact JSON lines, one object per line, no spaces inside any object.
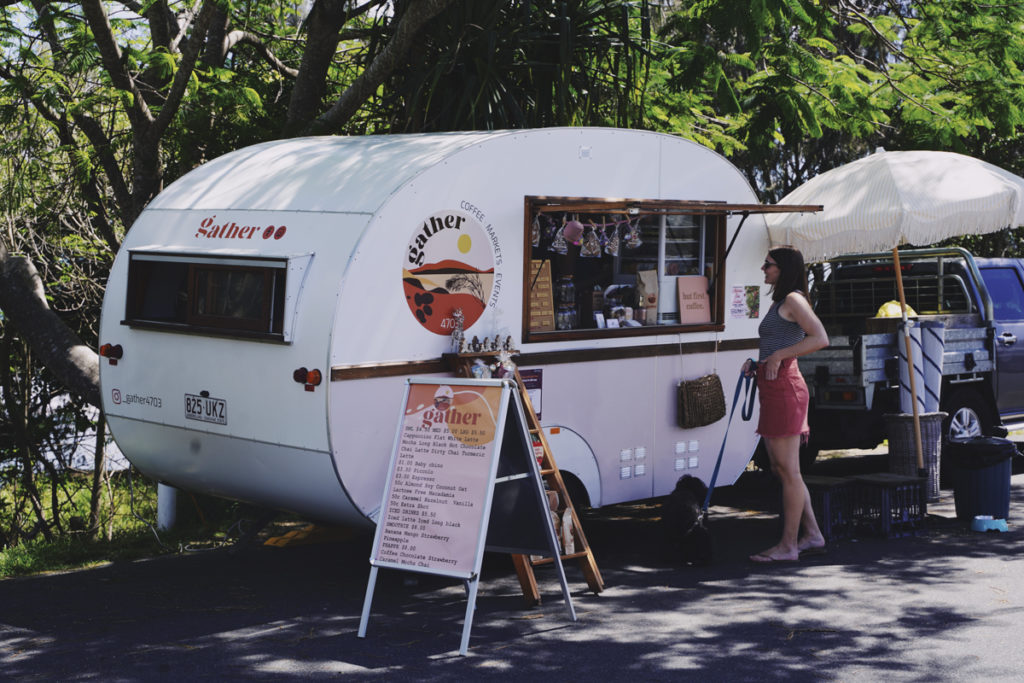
{"x":23,"y":301}
{"x":412,"y":19}
{"x":98,"y":474}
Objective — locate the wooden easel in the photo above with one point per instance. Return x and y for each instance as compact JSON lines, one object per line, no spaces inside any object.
{"x":461,"y":365}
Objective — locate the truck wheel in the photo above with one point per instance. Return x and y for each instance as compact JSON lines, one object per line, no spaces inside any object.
{"x":968,"y":416}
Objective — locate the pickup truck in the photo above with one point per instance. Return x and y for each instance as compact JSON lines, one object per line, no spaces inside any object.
{"x":855,"y":381}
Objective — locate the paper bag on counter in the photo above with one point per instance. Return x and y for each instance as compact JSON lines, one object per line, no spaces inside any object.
{"x":647,"y":288}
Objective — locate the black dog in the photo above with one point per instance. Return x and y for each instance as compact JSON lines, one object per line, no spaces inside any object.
{"x":689,"y":539}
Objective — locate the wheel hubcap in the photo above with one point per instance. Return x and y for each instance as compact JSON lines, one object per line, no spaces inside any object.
{"x":964,"y":424}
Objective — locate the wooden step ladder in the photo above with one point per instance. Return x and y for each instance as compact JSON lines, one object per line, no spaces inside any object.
{"x":461,"y":364}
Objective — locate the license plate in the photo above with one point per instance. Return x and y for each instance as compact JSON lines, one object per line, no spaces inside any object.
{"x":206,"y":409}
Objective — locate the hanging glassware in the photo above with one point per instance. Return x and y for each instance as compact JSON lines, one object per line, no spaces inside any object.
{"x":591,"y":244}
{"x":573,"y":231}
{"x":558,"y":244}
{"x":611,"y":239}
{"x":550,"y":227}
{"x":633,"y":234}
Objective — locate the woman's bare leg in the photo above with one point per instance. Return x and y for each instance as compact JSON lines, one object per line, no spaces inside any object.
{"x":797,"y":513}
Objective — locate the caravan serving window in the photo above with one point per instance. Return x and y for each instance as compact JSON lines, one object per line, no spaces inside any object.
{"x":622,"y":267}
{"x":233,"y":296}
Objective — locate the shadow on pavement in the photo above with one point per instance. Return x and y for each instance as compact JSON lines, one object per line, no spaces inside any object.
{"x":902,"y":609}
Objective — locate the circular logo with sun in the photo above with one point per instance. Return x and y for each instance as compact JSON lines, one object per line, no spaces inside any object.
{"x":448,"y":265}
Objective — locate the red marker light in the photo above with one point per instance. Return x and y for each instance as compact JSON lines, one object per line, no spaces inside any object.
{"x":310,"y":378}
{"x":111,"y":351}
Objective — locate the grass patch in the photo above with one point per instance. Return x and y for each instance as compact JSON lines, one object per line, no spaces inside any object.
{"x":127,"y":526}
{"x":75,"y":552}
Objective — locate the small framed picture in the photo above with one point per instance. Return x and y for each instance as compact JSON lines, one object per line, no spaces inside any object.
{"x":599,"y":319}
{"x":613,"y":322}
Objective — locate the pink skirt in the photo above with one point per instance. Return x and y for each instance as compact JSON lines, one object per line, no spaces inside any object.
{"x":783,"y":402}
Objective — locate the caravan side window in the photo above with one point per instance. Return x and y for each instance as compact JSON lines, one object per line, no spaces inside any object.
{"x":622,"y":267}
{"x":233,"y":296}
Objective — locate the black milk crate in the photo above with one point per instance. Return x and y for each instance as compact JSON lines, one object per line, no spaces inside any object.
{"x":889,"y":505}
{"x":832,"y":501}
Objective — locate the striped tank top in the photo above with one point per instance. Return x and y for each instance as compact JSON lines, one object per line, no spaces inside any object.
{"x":777,"y":333}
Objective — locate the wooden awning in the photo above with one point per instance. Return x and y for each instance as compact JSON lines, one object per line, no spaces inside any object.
{"x":640,"y":207}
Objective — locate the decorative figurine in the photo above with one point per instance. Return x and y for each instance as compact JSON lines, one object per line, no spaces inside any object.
{"x":474,"y":345}
{"x":480,"y":369}
{"x":505,"y":366}
{"x":458,"y":334}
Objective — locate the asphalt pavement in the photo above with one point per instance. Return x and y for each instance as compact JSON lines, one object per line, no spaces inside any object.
{"x":944,"y":604}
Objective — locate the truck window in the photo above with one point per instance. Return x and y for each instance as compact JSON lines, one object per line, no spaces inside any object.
{"x":621,"y":267}
{"x":233,"y":296}
{"x":852,"y":290}
{"x":1007,"y":294}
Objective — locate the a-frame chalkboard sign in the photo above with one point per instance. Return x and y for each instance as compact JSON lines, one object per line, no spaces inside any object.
{"x":462,"y":479}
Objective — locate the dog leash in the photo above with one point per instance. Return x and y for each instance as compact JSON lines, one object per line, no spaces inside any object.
{"x":748,"y":383}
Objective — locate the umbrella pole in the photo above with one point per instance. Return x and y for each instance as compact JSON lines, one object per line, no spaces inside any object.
{"x":921,"y":472}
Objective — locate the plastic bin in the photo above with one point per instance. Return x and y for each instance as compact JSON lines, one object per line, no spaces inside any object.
{"x":981,"y":469}
{"x":832,"y":502}
{"x":889,"y":505}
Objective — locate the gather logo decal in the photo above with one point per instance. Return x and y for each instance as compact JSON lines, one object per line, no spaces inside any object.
{"x":448,"y":264}
{"x":230,"y":230}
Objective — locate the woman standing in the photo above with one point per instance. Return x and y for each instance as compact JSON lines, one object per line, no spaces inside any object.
{"x":789,"y":329}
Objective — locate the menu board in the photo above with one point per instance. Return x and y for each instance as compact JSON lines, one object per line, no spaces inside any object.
{"x":442,"y":469}
{"x":542,"y":302}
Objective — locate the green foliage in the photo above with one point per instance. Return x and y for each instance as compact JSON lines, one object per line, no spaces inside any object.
{"x":819,"y":80}
{"x":493,"y":64}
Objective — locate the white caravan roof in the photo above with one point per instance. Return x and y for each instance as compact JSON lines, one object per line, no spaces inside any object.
{"x":333,"y":174}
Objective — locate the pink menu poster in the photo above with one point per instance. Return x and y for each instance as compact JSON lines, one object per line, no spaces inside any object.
{"x":434,"y":508}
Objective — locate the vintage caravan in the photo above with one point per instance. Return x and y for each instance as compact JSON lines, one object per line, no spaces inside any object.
{"x":265,"y":310}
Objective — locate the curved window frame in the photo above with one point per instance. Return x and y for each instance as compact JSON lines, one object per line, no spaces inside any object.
{"x":712,"y":217}
{"x":189,"y":290}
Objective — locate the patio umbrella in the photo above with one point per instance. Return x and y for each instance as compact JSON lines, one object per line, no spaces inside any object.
{"x":893,"y":198}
